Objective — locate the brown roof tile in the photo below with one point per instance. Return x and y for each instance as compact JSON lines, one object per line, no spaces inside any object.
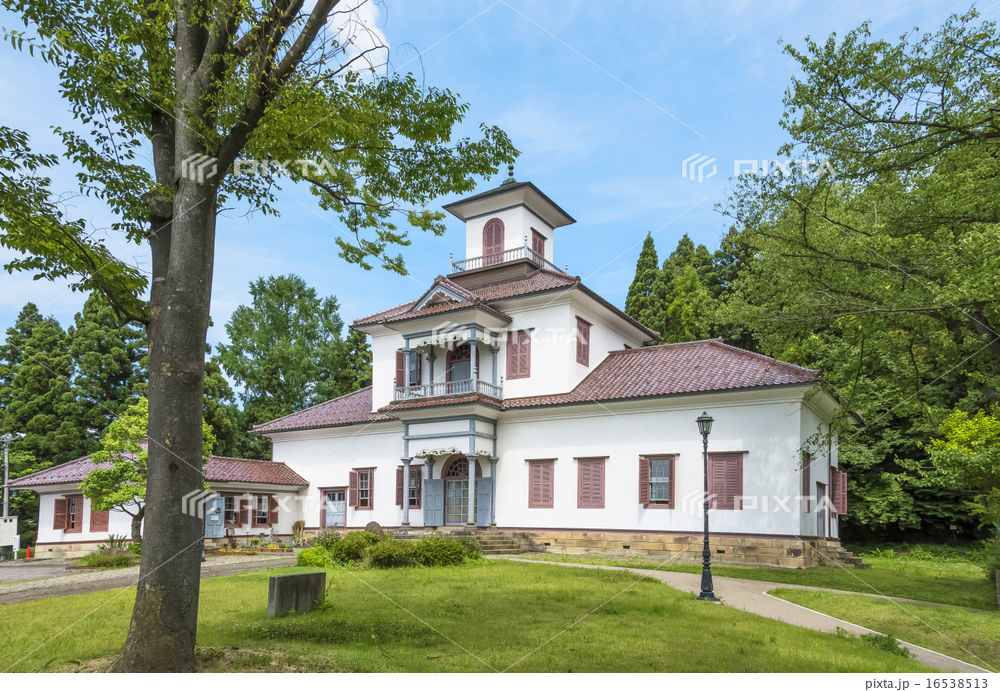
{"x":433,"y":402}
{"x":349,"y":409}
{"x":675,"y":368}
{"x":218,"y":469}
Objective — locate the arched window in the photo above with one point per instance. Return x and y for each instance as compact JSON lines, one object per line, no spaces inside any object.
{"x":492,"y":241}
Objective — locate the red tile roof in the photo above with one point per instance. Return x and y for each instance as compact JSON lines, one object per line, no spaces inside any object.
{"x":676,"y":368}
{"x":539,"y":281}
{"x":433,"y":402}
{"x":349,"y":409}
{"x":218,"y":469}
{"x":654,"y":371}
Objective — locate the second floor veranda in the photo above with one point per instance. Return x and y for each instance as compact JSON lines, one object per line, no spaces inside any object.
{"x":448,"y":365}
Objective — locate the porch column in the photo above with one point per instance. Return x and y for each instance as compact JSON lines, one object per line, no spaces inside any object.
{"x":474,"y":364}
{"x":495,"y":349}
{"x":473,"y":465}
{"x":430,"y":365}
{"x":406,"y":491}
{"x":493,"y":490}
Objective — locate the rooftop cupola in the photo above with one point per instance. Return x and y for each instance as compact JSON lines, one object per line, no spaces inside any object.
{"x":514,"y":222}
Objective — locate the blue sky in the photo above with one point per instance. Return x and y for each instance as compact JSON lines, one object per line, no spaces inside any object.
{"x":604,"y":100}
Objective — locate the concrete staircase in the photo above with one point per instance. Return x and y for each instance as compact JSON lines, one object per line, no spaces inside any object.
{"x":833,"y":554}
{"x":492,"y":540}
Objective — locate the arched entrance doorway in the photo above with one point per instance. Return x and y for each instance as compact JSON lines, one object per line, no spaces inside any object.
{"x":455,"y":474}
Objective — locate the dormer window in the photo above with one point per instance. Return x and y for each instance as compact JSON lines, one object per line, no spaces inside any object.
{"x":492,"y":241}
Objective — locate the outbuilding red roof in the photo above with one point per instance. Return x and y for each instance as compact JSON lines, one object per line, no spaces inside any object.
{"x":218,"y":469}
{"x":650,"y":372}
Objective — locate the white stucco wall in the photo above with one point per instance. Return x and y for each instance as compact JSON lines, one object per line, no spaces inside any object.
{"x":767,"y":431}
{"x":816,"y":439}
{"x":325,"y":458}
{"x":767,"y":425}
{"x":119,"y":523}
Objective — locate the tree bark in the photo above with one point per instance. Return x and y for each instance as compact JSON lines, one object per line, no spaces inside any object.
{"x":137,"y":525}
{"x":162,"y":633}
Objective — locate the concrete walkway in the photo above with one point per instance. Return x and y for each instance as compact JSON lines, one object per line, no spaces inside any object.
{"x":751,"y":596}
{"x":91,"y":581}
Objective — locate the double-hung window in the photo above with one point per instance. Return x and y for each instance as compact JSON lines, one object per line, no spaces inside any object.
{"x":656,"y":481}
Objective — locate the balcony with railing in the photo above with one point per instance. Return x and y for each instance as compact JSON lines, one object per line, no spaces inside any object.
{"x":447,"y":388}
{"x":497,"y":258}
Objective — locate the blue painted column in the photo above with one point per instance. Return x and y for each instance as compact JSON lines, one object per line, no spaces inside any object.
{"x":495,"y":349}
{"x":473,"y":464}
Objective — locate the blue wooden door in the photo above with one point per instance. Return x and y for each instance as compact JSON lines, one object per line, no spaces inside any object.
{"x":434,"y":502}
{"x":484,"y":498}
{"x":215,"y":507}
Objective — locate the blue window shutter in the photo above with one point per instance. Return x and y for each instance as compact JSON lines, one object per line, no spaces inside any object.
{"x":484,"y":496}
{"x":434,"y":502}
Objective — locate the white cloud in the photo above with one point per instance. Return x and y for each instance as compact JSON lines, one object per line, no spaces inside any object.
{"x":355,"y":25}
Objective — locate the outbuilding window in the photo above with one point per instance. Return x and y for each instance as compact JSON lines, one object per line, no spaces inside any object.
{"x":590,"y":483}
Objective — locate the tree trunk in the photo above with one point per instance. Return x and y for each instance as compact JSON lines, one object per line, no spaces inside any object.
{"x":137,"y":525}
{"x":162,"y":633}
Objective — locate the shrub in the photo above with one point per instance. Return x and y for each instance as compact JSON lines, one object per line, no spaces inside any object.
{"x":433,"y":550}
{"x":389,"y":553}
{"x":473,"y":549}
{"x":314,"y":556}
{"x":114,"y":543}
{"x":988,"y":555}
{"x":134,"y":547}
{"x":326,"y":539}
{"x":100,"y":560}
{"x":351,"y":548}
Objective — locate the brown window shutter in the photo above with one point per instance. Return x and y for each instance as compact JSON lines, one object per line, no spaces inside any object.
{"x":99,"y":521}
{"x":582,"y":341}
{"x":644,"y":481}
{"x":244,"y":517}
{"x":540,"y":475}
{"x":352,"y":489}
{"x":511,"y":353}
{"x":735,"y":483}
{"x":59,"y":519}
{"x":718,"y":492}
{"x":399,"y":486}
{"x":590,"y":483}
{"x":493,"y":238}
{"x":838,"y":480}
{"x":524,"y":353}
{"x":272,"y":509}
{"x":322,"y":508}
{"x":400,"y":368}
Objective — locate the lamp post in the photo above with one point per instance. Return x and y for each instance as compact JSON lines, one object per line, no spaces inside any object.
{"x":707,"y":590}
{"x":6,"y":440}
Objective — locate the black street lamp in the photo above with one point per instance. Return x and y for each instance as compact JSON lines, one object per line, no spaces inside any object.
{"x":707,"y":590}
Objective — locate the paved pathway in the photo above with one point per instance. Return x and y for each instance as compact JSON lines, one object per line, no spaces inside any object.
{"x":751,"y":596}
{"x":91,"y":581}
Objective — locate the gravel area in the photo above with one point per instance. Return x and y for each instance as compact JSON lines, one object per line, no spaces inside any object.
{"x":90,"y":581}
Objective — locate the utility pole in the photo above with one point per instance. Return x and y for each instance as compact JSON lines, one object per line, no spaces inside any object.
{"x":6,"y":440}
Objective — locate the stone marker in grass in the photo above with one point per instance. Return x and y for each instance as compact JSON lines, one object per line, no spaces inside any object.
{"x":299,"y":592}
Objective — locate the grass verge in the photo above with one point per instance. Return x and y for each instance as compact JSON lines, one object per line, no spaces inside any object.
{"x":968,"y":634}
{"x":483,"y":616}
{"x":960,"y":583}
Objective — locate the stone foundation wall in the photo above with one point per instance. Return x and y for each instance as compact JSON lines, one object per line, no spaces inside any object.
{"x":64,"y":550}
{"x":726,"y":549}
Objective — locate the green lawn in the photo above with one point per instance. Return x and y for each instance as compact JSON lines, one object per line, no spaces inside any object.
{"x":961,"y":583}
{"x":481,"y":617}
{"x":968,"y":634}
